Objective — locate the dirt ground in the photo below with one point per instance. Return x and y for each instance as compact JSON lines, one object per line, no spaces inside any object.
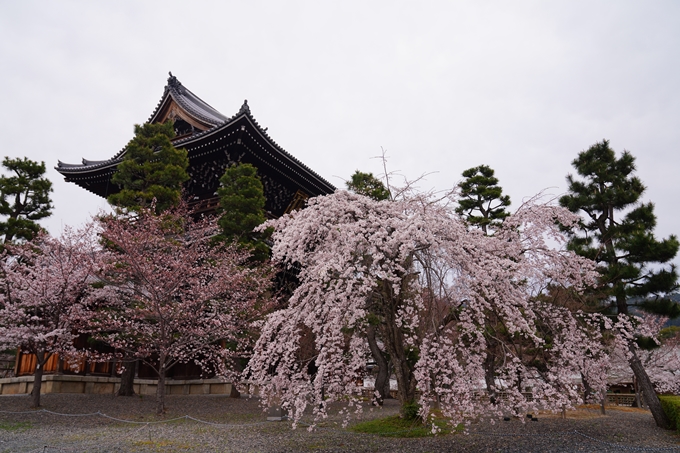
{"x":208,"y":423}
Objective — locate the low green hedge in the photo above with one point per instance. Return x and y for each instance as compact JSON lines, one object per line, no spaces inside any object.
{"x":671,"y":406}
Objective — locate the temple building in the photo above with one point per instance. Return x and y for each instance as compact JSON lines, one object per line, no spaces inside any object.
{"x":213,"y":142}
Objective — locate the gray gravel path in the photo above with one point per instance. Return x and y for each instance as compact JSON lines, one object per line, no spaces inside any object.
{"x":241,"y":427}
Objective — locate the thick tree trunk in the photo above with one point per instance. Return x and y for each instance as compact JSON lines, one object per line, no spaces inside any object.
{"x":647,"y":388}
{"x":160,"y":388}
{"x":383,"y":378}
{"x":37,"y":377}
{"x":636,"y":389}
{"x":387,"y":389}
{"x":587,"y":389}
{"x":127,"y":378}
{"x":392,"y":335}
{"x":490,"y":370}
{"x":405,"y":380}
{"x":234,"y":393}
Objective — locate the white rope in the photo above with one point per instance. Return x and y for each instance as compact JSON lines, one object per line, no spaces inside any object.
{"x":134,"y":422}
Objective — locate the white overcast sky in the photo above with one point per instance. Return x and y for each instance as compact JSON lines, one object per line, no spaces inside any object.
{"x":522,"y":86}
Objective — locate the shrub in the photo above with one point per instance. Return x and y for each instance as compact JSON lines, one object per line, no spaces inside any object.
{"x":671,"y":406}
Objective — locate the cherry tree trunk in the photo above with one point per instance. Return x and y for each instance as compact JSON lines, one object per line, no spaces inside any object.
{"x":406,"y":382}
{"x":127,"y":378}
{"x":160,"y":388}
{"x":382,"y":380}
{"x":386,"y":387}
{"x":236,"y":366}
{"x":37,"y":377}
{"x":490,"y":370}
{"x":647,"y":388}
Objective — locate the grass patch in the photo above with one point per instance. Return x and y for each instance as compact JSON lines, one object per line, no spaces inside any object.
{"x":162,"y":445}
{"x":15,"y":426}
{"x":396,"y":426}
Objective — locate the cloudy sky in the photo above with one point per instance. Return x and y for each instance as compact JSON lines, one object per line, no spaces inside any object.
{"x":442,"y":86}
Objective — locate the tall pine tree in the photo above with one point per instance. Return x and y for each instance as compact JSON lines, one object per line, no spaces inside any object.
{"x":153,"y":169}
{"x":482,"y":202}
{"x":24,"y":198}
{"x":617,"y":232}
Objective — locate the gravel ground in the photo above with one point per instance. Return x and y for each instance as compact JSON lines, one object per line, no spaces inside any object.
{"x":242,"y":427}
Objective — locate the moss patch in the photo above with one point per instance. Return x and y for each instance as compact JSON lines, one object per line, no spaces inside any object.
{"x":15,"y":426}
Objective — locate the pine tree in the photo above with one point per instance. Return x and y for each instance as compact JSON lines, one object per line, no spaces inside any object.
{"x":152,"y":169}
{"x":368,"y":185}
{"x":617,"y":232}
{"x":482,"y":202}
{"x":242,"y":209}
{"x":24,"y":198}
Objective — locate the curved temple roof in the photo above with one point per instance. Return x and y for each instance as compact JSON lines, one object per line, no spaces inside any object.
{"x":189,"y":102}
{"x":204,"y":126}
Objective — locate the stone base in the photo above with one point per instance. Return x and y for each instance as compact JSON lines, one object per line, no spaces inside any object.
{"x":276,"y":414}
{"x":63,"y":383}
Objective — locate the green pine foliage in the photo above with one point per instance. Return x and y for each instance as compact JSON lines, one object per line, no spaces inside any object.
{"x":482,"y":203}
{"x":153,"y":169}
{"x":368,"y":185}
{"x":242,"y":209}
{"x":24,"y":198}
{"x":617,"y":232}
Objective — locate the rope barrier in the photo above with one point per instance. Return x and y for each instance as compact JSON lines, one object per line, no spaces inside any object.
{"x":122,"y":420}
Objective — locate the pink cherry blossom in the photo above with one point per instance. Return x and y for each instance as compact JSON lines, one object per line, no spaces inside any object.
{"x":43,"y":282}
{"x":171,"y":295}
{"x":437,"y":293}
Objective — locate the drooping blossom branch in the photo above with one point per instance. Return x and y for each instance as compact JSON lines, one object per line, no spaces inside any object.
{"x":428,"y":285}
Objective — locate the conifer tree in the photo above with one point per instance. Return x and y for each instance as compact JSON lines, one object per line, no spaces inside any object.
{"x":617,"y":232}
{"x":242,"y":209}
{"x":482,"y":202}
{"x":24,"y":198}
{"x":368,"y":185}
{"x":152,"y":169}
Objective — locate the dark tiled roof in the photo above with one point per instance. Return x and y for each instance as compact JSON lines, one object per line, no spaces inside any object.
{"x":203,"y":111}
{"x":191,"y":103}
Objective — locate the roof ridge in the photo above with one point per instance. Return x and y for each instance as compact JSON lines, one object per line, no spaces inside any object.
{"x":190,"y":102}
